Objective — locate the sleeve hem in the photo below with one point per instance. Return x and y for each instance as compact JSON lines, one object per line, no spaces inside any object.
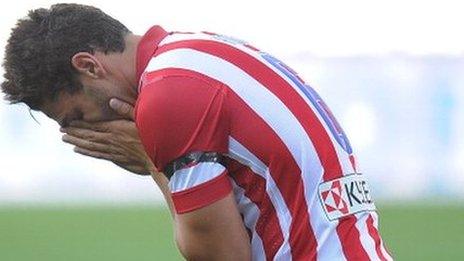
{"x":202,"y":195}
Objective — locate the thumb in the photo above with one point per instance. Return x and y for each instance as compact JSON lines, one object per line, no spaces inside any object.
{"x":122,"y":108}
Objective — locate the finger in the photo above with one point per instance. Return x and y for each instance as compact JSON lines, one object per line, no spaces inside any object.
{"x":86,"y":144}
{"x":86,"y":134}
{"x":96,"y":126}
{"x":99,"y":155}
{"x":122,"y":108}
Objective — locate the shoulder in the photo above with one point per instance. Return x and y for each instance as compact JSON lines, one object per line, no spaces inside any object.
{"x":176,"y":95}
{"x":178,"y":113}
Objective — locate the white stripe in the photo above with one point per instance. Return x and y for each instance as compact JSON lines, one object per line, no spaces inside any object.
{"x":342,"y":155}
{"x":367,"y":241}
{"x":329,"y":246}
{"x":278,"y":117}
{"x":182,"y":37}
{"x":250,"y":213}
{"x":238,"y":152}
{"x":382,"y":246}
{"x":190,"y":177}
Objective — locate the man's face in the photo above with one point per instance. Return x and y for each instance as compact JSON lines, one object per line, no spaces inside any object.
{"x":89,"y":104}
{"x":101,"y":78}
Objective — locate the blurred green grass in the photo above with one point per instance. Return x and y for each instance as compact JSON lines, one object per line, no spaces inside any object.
{"x":412,"y":232}
{"x":86,"y":233}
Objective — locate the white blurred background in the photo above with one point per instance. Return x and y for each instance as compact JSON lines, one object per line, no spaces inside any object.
{"x":391,"y":71}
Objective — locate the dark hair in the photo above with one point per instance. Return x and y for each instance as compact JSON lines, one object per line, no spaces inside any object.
{"x":39,"y":51}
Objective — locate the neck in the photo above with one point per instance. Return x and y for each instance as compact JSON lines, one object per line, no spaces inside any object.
{"x":128,"y":62}
{"x":122,"y":68}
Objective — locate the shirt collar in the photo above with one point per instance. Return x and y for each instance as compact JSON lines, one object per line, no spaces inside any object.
{"x":147,"y":47}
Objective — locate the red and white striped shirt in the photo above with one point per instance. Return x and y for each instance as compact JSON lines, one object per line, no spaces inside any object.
{"x":218,"y":115}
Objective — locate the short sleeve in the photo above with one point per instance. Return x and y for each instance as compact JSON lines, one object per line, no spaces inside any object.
{"x":183,"y":125}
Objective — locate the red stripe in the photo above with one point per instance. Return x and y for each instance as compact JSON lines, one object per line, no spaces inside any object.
{"x":296,"y":104}
{"x":350,"y":238}
{"x":267,"y":225}
{"x":254,"y":133}
{"x":202,"y":195}
{"x":279,"y":87}
{"x":252,"y":47}
{"x":353,"y":163}
{"x":374,"y":233}
{"x":208,"y":33}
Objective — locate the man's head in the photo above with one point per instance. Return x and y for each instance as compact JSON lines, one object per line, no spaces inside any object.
{"x":64,"y":61}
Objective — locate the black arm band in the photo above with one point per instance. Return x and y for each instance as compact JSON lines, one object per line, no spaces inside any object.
{"x":192,"y":158}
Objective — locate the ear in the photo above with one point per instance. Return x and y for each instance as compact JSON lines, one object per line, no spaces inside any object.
{"x":87,"y":64}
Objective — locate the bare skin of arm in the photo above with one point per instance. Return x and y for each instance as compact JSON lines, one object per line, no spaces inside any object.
{"x":214,"y":232}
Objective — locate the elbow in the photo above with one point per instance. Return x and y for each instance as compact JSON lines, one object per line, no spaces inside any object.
{"x":191,"y":253}
{"x":205,"y":250}
{"x":183,"y":248}
{"x":210,"y":255}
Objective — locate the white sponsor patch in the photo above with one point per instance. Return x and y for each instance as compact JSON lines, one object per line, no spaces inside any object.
{"x":345,"y":196}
